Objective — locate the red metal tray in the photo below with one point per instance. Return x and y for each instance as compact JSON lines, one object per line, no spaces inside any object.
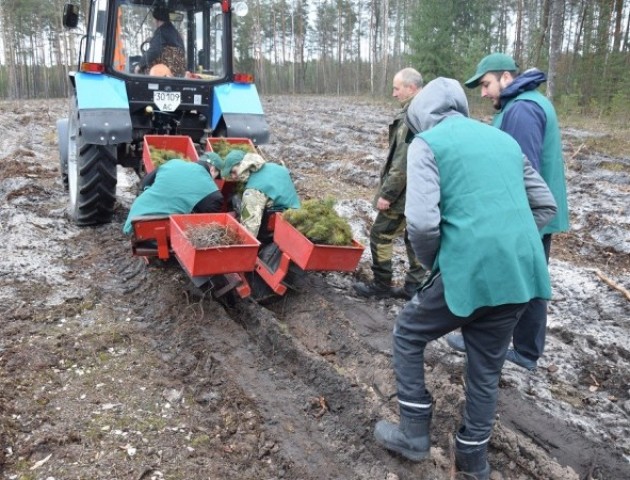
{"x":213,"y":260}
{"x":312,"y":256}
{"x":179,"y":143}
{"x":212,"y":141}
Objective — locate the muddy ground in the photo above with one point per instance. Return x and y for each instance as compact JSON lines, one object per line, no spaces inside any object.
{"x":114,"y":369}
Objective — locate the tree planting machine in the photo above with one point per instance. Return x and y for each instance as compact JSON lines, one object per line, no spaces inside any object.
{"x":118,"y":111}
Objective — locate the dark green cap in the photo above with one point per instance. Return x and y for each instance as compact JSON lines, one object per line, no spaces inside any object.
{"x":212,"y":158}
{"x":233,"y":158}
{"x":495,"y":62}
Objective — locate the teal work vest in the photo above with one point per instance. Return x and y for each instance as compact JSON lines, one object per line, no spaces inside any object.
{"x":179,"y":185}
{"x":552,"y":163}
{"x":275,"y":181}
{"x":490,"y":251}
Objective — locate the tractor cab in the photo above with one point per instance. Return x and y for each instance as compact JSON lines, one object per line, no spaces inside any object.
{"x":149,"y":67}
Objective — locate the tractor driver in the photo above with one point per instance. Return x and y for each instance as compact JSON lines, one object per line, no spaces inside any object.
{"x":177,"y":186}
{"x":166,"y":55}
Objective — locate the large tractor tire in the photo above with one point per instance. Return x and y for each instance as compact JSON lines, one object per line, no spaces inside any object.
{"x":62,"y":141}
{"x":91,"y":178}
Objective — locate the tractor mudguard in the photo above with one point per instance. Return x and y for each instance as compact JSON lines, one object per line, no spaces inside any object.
{"x":239,"y":106}
{"x":103,"y":109}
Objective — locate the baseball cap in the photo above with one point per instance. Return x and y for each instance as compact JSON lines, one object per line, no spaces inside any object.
{"x":231,"y":160}
{"x":495,"y":62}
{"x":209,"y":159}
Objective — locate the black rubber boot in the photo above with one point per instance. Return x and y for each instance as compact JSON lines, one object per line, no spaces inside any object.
{"x":410,"y":439}
{"x":472,"y":460}
{"x":407,"y":292}
{"x":373,"y":289}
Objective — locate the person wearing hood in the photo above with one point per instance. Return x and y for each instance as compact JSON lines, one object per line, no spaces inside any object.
{"x":166,"y":47}
{"x":267,"y":186}
{"x":177,"y":186}
{"x":474,"y":208}
{"x":389,"y":203}
{"x":530,"y":118}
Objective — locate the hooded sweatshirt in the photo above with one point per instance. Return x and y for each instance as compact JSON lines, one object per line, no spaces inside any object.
{"x":530,"y":118}
{"x":470,"y":199}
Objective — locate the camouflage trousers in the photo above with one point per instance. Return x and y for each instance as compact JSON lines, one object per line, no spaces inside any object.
{"x":253,"y":207}
{"x":387,"y":227}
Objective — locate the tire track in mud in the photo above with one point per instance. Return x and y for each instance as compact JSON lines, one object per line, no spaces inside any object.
{"x":357,"y":336}
{"x":339,"y":435}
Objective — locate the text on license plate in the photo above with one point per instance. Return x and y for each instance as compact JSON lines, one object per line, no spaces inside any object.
{"x":167,"y":101}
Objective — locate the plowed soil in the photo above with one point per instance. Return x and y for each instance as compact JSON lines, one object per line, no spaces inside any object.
{"x":115,"y":368}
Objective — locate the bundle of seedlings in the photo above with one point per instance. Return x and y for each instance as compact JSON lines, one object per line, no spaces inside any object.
{"x":318,"y":221}
{"x":212,"y":235}
{"x":223,"y":147}
{"x":159,"y":156}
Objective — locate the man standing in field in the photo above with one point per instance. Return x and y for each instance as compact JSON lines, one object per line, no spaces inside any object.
{"x":530,"y":118}
{"x":389,"y":201}
{"x":474,"y":209}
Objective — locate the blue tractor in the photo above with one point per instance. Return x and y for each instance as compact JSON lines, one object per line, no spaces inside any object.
{"x":148,"y":67}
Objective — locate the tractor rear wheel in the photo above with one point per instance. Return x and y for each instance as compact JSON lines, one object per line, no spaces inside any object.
{"x":91,"y":178}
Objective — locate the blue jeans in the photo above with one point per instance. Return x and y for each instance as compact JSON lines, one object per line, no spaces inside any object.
{"x":487,"y":333}
{"x":530,"y":331}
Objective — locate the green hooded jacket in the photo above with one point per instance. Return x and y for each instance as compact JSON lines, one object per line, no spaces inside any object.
{"x":275,"y":182}
{"x":179,"y":185}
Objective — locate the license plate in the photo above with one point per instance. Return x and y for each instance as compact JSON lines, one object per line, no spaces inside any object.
{"x":167,"y":101}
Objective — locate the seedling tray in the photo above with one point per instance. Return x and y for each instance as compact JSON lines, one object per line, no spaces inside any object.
{"x":312,"y":256}
{"x":212,"y":143}
{"x":180,"y":143}
{"x":217,"y":259}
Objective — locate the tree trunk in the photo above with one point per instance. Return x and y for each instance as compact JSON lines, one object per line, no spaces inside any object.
{"x":374,"y":14}
{"x":384,"y":47}
{"x":518,"y":37}
{"x":618,"y":12}
{"x":555,"y":45}
{"x":543,"y":30}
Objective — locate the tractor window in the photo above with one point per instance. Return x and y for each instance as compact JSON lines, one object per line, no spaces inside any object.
{"x":184,"y":41}
{"x":209,"y":42}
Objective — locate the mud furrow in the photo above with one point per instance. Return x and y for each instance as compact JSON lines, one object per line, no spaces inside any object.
{"x":356,"y":344}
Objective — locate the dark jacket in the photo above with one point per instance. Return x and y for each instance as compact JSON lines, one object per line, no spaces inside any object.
{"x":530,"y":118}
{"x":525,"y":123}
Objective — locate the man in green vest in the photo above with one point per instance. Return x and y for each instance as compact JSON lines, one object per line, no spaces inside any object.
{"x":389,"y":203}
{"x":267,"y":186}
{"x":474,"y":208}
{"x":530,"y":118}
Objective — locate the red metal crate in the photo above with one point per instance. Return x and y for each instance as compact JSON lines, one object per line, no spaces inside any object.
{"x":312,"y":256}
{"x":213,"y":260}
{"x":180,"y":143}
{"x":213,"y":141}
